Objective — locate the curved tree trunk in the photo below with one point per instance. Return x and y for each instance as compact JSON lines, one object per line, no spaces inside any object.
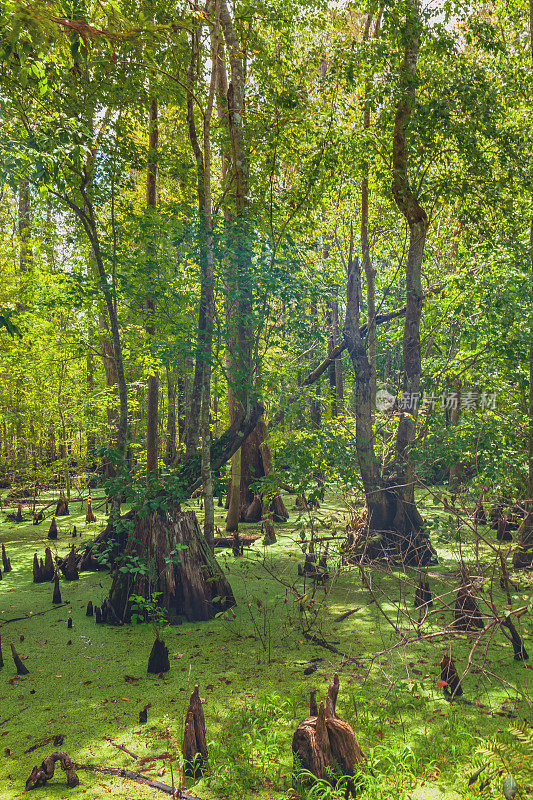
{"x":391,"y":508}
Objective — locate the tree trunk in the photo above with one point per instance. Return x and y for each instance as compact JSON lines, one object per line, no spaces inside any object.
{"x":239,"y":291}
{"x":24,"y":225}
{"x":180,"y":565}
{"x":315,"y":410}
{"x":370,"y":272}
{"x":153,"y":379}
{"x":339,"y":383}
{"x":332,"y":374}
{"x":170,"y":448}
{"x":207,"y":304}
{"x":455,"y":416}
{"x":523,"y":555}
{"x":233,"y":515}
{"x":391,"y":509}
{"x":91,"y":409}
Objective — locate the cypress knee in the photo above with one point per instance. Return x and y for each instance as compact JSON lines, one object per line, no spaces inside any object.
{"x":5,"y":560}
{"x":449,"y":676}
{"x":52,"y":532}
{"x":467,"y":614}
{"x":37,"y":572}
{"x":70,"y":566}
{"x":89,"y":517}
{"x":194,"y":747}
{"x":56,"y":599}
{"x":62,"y":506}
{"x":21,"y":669}
{"x":158,"y":660}
{"x":48,"y":571}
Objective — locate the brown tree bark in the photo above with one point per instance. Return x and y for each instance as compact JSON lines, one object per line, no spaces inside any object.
{"x":153,"y":379}
{"x":202,"y":154}
{"x":171,"y":432}
{"x":455,"y":416}
{"x":339,"y":382}
{"x":523,"y":555}
{"x":370,"y":272}
{"x":191,"y":583}
{"x":316,"y":406}
{"x":239,"y":293}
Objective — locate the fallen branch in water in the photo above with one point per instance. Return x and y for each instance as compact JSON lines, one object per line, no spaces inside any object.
{"x":39,"y":776}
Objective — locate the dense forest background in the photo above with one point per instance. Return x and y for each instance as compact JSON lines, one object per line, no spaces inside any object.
{"x":321,"y":87}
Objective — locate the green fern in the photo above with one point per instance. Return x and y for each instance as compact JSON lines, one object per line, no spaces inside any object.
{"x":505,"y":764}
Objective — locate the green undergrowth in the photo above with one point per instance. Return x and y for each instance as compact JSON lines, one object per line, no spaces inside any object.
{"x":254,"y":667}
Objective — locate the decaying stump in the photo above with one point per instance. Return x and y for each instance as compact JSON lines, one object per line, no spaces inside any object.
{"x":89,"y":517}
{"x":56,"y":598}
{"x":423,"y":595}
{"x":194,"y":747}
{"x":325,"y":745}
{"x":480,"y":518}
{"x":21,"y":669}
{"x":449,"y":677}
{"x":52,"y":532}
{"x":143,"y":714}
{"x":98,"y":615}
{"x":74,"y":532}
{"x":19,"y":517}
{"x":62,"y":506}
{"x":38,"y":517}
{"x":90,"y":610}
{"x":5,"y":560}
{"x":69,"y":567}
{"x":39,"y":776}
{"x":158,"y":660}
{"x":181,"y":566}
{"x":467,"y":614}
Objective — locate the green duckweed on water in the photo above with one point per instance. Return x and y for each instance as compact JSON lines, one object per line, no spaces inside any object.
{"x":254,"y":668}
